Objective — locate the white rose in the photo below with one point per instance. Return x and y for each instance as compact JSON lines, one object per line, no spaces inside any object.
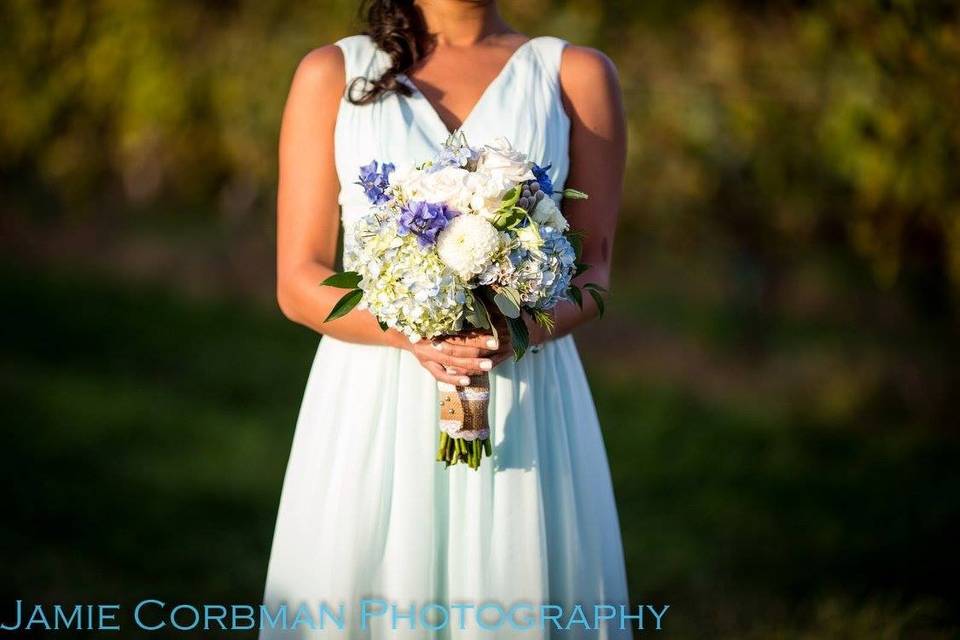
{"x":502,"y":159}
{"x":485,"y":193}
{"x":547,"y":213}
{"x":467,"y":245}
{"x":447,"y":185}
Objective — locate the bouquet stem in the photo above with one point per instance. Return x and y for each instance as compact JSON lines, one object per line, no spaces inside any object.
{"x":464,"y":424}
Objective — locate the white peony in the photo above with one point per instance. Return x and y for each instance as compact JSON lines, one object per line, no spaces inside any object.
{"x":502,"y":160}
{"x":467,"y":245}
{"x":548,"y":214}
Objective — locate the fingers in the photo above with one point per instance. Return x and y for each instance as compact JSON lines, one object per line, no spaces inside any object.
{"x":463,"y":365}
{"x":440,"y":373}
{"x":482,"y":341}
{"x":458,"y":351}
{"x":470,"y":366}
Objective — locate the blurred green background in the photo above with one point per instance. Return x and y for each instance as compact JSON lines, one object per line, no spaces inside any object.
{"x":776,"y":377}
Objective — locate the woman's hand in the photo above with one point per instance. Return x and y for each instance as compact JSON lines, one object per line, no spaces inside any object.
{"x":453,"y":358}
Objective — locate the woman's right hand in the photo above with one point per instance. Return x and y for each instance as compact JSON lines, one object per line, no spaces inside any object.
{"x":453,"y":359}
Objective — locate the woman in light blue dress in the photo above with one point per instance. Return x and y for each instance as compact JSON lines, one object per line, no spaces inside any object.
{"x":367,"y":515}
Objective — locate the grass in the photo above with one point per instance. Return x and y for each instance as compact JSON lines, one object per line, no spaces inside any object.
{"x":145,"y":435}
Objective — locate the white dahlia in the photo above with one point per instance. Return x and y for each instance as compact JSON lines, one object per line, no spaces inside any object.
{"x":467,"y":245}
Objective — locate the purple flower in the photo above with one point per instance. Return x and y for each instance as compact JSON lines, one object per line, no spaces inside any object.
{"x":425,"y":220}
{"x":543,"y":179}
{"x":375,"y":182}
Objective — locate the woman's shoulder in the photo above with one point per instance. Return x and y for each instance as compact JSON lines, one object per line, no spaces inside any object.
{"x":333,"y":61}
{"x":320,"y":77}
{"x":585,"y":70}
{"x":586,"y":61}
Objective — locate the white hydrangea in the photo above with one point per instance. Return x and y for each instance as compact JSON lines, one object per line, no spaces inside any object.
{"x":405,"y":287}
{"x":467,"y":245}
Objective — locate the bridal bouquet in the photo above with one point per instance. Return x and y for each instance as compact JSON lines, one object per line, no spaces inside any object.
{"x":447,"y":243}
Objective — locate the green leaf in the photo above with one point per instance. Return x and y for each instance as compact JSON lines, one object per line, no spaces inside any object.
{"x":476,"y":314}
{"x":345,"y":304}
{"x":511,"y":196}
{"x":519,"y":336}
{"x":506,"y":303}
{"x":580,"y":269}
{"x":576,"y":295}
{"x":573,"y":194}
{"x":509,"y":217}
{"x":576,"y":241}
{"x":383,"y":325}
{"x":344,"y":280}
{"x":599,"y":300}
{"x":594,"y":287}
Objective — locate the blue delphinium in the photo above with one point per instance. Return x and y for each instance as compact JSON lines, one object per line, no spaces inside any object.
{"x":375,"y":182}
{"x":452,"y":157}
{"x":543,"y":178}
{"x":425,"y":220}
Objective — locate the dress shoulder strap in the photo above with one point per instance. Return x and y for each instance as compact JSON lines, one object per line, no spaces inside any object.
{"x":362,"y":58}
{"x":550,"y":51}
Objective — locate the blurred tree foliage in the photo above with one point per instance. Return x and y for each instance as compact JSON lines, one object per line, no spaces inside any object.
{"x":777,"y":127}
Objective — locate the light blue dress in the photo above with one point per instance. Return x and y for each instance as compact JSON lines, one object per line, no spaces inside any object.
{"x":366,"y":513}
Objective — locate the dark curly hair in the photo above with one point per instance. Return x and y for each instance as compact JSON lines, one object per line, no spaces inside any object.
{"x":397,"y":28}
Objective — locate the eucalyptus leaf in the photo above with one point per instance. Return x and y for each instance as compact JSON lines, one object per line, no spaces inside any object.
{"x":594,"y":287}
{"x":345,"y":304}
{"x":519,"y":336}
{"x":573,"y":194}
{"x":506,"y":304}
{"x":476,"y":314}
{"x":343,"y":280}
{"x":485,"y":312}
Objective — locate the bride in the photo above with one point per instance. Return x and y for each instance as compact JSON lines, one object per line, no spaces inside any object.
{"x":370,"y":529}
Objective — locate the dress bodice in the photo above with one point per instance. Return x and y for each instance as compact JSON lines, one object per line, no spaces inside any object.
{"x":523,"y":104}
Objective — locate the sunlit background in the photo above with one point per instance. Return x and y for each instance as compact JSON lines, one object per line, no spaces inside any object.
{"x":776,"y":376}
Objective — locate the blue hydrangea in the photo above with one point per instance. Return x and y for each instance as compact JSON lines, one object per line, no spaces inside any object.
{"x":542,"y":275}
{"x":375,"y":182}
{"x":425,"y":220}
{"x":543,"y":178}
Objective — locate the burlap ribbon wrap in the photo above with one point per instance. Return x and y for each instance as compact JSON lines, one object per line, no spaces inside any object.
{"x":464,"y":425}
{"x":463,"y":410}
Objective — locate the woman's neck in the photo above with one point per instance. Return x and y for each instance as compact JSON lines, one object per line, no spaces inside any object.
{"x":461,"y":23}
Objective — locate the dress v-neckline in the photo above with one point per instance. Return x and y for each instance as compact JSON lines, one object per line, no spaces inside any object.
{"x":432,"y":109}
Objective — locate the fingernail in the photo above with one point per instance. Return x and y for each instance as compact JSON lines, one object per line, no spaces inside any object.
{"x":492,"y":343}
{"x":486,"y":365}
{"x":464,"y":381}
{"x":451,"y":370}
